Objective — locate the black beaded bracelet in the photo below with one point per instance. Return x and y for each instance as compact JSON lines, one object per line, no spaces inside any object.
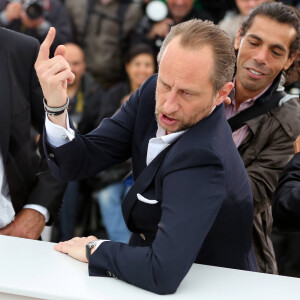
{"x":55,"y":111}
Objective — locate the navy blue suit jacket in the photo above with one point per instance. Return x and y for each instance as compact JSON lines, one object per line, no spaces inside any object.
{"x":204,"y":212}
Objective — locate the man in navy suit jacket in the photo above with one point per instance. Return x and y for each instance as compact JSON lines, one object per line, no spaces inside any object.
{"x":191,"y":199}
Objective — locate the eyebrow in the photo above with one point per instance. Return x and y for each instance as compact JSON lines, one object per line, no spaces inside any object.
{"x":185,"y":90}
{"x":279,"y":46}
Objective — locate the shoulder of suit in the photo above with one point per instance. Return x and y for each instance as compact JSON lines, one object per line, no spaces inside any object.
{"x":10,"y":38}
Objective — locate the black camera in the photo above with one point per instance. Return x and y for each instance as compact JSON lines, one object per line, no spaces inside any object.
{"x":33,"y":8}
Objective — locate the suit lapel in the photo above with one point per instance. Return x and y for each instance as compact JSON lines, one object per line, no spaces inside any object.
{"x":5,"y":112}
{"x":142,"y":182}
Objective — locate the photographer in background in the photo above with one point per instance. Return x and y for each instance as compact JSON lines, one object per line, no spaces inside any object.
{"x":35,"y":17}
{"x":152,"y":30}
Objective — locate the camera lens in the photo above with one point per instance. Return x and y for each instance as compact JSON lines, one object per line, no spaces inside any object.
{"x":33,"y":8}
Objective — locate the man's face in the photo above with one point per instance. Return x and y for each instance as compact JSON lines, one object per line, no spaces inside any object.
{"x":180,"y":8}
{"x":184,"y":93}
{"x":75,"y":57}
{"x":262,"y":53}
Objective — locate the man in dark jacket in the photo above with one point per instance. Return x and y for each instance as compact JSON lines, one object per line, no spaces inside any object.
{"x":286,"y":205}
{"x":268,"y":46}
{"x":286,"y":213}
{"x":29,"y":196}
{"x":184,"y":206}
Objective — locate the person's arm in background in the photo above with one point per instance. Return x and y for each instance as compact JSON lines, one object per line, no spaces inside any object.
{"x":286,"y":204}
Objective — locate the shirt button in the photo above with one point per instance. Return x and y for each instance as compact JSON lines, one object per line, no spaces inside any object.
{"x":142,"y":236}
{"x":64,"y":137}
{"x":51,"y":155}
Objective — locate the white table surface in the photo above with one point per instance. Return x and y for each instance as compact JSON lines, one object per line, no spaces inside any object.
{"x":33,"y":269}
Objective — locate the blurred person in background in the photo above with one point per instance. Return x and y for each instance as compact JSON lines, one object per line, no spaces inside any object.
{"x":233,"y":20}
{"x":217,"y":9}
{"x":153,"y":32}
{"x":102,"y":29}
{"x":35,"y":17}
{"x":139,"y":65}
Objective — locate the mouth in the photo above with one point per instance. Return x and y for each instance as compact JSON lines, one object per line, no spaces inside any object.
{"x":255,"y":72}
{"x":165,"y":120}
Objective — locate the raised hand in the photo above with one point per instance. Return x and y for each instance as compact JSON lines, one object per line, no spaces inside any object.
{"x":54,"y":73}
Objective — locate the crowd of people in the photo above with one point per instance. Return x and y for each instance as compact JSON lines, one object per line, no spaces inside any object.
{"x":222,"y":169}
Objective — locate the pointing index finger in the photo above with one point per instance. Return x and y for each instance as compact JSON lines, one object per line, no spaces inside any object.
{"x":45,"y":46}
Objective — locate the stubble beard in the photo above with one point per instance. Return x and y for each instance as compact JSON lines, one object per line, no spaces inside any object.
{"x":205,"y":112}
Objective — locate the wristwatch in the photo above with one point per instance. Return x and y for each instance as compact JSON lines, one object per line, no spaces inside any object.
{"x":88,"y":248}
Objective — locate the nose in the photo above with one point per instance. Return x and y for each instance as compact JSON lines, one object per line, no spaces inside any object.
{"x":171,"y":104}
{"x":261,"y":56}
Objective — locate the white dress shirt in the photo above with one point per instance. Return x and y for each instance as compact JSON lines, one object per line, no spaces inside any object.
{"x":7,"y":212}
{"x":6,"y":208}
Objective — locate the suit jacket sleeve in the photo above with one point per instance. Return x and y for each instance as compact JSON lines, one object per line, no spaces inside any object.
{"x":188,"y":212}
{"x":286,"y":205}
{"x":109,"y":144}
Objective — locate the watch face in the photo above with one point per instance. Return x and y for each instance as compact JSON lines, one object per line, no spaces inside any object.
{"x":88,"y":248}
{"x":92,"y":244}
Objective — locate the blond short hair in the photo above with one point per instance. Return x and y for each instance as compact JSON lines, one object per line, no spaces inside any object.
{"x":195,"y":34}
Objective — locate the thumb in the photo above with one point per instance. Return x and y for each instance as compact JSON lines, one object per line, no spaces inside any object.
{"x":45,"y":46}
{"x":60,"y":50}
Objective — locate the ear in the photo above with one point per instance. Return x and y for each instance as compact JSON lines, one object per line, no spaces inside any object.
{"x":237,"y":40}
{"x":290,"y":61}
{"x":223,"y":93}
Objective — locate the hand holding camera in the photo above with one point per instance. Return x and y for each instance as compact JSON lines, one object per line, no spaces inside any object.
{"x":13,"y":11}
{"x":29,"y":11}
{"x":161,"y":28}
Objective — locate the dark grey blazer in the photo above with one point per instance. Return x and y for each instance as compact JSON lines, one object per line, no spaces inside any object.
{"x":28,"y":176}
{"x":204,"y":211}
